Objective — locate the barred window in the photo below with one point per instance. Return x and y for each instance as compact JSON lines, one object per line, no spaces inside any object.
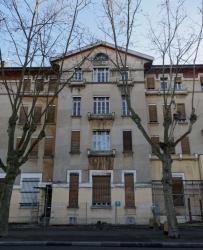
{"x":75,"y":142}
{"x":73,"y":190}
{"x":127,"y":141}
{"x":129,"y":190}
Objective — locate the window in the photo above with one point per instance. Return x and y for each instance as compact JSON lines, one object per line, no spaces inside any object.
{"x":39,"y":84}
{"x":155,"y":140}
{"x":181,"y":111}
{"x":150,"y":83}
{"x":129,"y":190}
{"x":100,"y":74}
{"x":34,"y":152}
{"x":29,"y":191}
{"x":124,"y":75}
{"x":168,"y":109}
{"x":101,"y":105}
{"x":101,"y":141}
{"x":23,"y":114}
{"x":178,"y":83}
{"x":50,"y":115}
{"x":101,"y":193}
{"x":26,"y":85}
{"x":73,"y":190}
{"x":164,"y":83}
{"x":37,"y":115}
{"x":185,"y":145}
{"x":153,"y":113}
{"x":127,"y":141}
{"x":77,"y":76}
{"x":49,"y":147}
{"x":125,"y":110}
{"x":75,"y":142}
{"x":178,"y":191}
{"x":53,"y":85}
{"x":76,"y":106}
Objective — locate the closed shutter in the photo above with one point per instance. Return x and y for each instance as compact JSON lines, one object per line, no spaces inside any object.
{"x":152,"y":113}
{"x":49,"y":147}
{"x":150,"y":83}
{"x":29,"y":191}
{"x":101,"y":190}
{"x":178,"y":191}
{"x":26,"y":85}
{"x":51,"y":114}
{"x":53,"y":85}
{"x":155,"y":140}
{"x":39,"y":85}
{"x":75,"y":142}
{"x":181,"y":111}
{"x":185,"y":145}
{"x":23,"y":114}
{"x":37,"y":115}
{"x":34,"y":152}
{"x":73,"y":190}
{"x":127,"y":141}
{"x":129,"y":190}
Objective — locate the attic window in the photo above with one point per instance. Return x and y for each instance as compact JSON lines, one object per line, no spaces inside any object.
{"x":101,"y":57}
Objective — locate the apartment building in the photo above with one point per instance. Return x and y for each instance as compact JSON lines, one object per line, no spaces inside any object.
{"x":95,"y":165}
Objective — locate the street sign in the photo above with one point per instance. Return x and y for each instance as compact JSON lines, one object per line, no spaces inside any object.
{"x":117,"y":203}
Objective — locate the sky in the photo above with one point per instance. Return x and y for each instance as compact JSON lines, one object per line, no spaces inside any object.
{"x":91,"y":17}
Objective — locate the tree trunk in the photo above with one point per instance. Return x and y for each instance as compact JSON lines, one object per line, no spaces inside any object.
{"x":168,"y":198}
{"x":5,"y":199}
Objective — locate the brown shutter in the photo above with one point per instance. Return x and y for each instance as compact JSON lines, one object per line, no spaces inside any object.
{"x":150,"y":83}
{"x":34,"y":152}
{"x":37,"y":114}
{"x":201,"y":79}
{"x":155,"y":140}
{"x":23,"y":114}
{"x":129,"y":190}
{"x":101,"y":190}
{"x":152,"y":113}
{"x":127,"y":141}
{"x":26,"y":85}
{"x":49,"y":147}
{"x":53,"y":85}
{"x":75,"y":142}
{"x":51,"y":114}
{"x":39,"y":85}
{"x":73,"y":190}
{"x":181,"y":111}
{"x":185,"y":145}
{"x":178,"y":191}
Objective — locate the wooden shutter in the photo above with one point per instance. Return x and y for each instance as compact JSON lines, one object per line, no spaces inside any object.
{"x":23,"y":114}
{"x":34,"y":152}
{"x":101,"y":190}
{"x":155,"y":140}
{"x":152,"y":113}
{"x":53,"y":85}
{"x":49,"y":147}
{"x":150,"y":83}
{"x":39,"y":85}
{"x":127,"y":141}
{"x":51,"y":114}
{"x":129,"y":190}
{"x":178,"y":191}
{"x":75,"y":142}
{"x":73,"y":190}
{"x":185,"y":145}
{"x":181,"y":111}
{"x":37,"y":114}
{"x":26,"y":85}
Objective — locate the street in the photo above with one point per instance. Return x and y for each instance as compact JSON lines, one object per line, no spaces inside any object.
{"x":76,"y":248}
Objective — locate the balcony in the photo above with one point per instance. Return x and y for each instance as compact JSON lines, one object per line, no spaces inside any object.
{"x":160,"y":91}
{"x":77,"y":83}
{"x":93,"y":153}
{"x":108,"y":116}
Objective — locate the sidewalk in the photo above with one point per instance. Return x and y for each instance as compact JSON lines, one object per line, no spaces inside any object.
{"x":191,"y":236}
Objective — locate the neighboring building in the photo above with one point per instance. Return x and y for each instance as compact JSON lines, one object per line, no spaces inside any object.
{"x":103,"y":168}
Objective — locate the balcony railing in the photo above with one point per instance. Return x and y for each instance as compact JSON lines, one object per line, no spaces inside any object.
{"x":183,"y":90}
{"x":108,"y":116}
{"x":92,"y":152}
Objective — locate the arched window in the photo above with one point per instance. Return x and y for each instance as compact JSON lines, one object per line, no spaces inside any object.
{"x":101,"y":57}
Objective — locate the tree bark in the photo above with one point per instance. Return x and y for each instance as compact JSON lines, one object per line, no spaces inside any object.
{"x":168,"y":198}
{"x":5,"y":199}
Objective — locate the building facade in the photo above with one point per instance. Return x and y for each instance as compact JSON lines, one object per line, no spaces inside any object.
{"x":103,"y":169}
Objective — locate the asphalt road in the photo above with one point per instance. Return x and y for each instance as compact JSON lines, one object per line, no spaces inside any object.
{"x":79,"y":248}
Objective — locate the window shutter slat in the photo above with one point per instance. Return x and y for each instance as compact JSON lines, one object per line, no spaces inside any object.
{"x":185,"y":145}
{"x":75,"y":141}
{"x":129,"y":190}
{"x":150,"y":83}
{"x":152,"y":113}
{"x":127,"y":141}
{"x":73,"y":190}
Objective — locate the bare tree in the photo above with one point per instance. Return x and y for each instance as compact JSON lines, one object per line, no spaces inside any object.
{"x":174,"y":50}
{"x":34,"y":31}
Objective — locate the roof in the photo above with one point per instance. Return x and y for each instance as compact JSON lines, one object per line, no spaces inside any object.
{"x":105,"y":44}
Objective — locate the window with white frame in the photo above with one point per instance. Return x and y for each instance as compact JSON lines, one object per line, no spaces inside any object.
{"x":124,"y":75}
{"x":125,"y":110}
{"x":77,"y":74}
{"x":29,"y":191}
{"x":76,"y":106}
{"x":101,"y":105}
{"x":101,"y":140}
{"x":100,"y":74}
{"x":164,"y":83}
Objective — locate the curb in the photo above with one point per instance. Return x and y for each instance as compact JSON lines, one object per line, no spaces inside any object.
{"x":104,"y":244}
